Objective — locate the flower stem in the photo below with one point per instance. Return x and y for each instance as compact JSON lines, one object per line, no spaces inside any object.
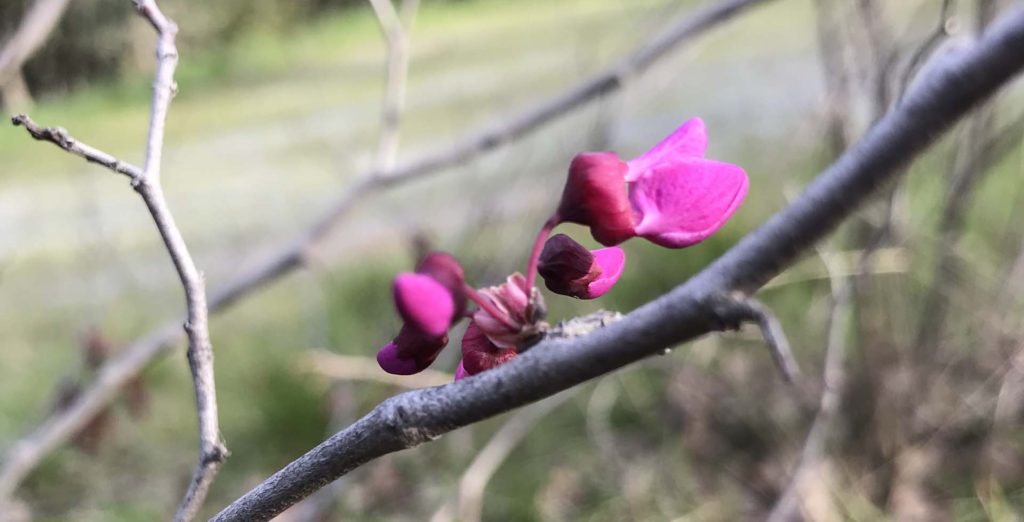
{"x":538,"y":246}
{"x":486,"y":305}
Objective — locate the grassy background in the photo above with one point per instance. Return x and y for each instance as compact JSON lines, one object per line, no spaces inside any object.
{"x":266,"y":128}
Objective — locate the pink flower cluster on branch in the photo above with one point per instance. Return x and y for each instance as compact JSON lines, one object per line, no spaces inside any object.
{"x":671,"y":195}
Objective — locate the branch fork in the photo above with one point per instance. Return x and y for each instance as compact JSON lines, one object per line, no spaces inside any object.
{"x":731,"y":311}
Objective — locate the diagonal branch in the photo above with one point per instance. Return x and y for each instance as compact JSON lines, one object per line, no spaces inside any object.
{"x":415,"y":417}
{"x":62,"y":139}
{"x":26,"y":453}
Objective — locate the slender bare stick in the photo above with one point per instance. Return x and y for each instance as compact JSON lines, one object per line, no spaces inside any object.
{"x":395,"y":29}
{"x":416,"y":417}
{"x":25,"y":454}
{"x":787,"y":507}
{"x":62,"y":139}
{"x":33,"y":31}
{"x":487,"y":461}
{"x":147,"y":184}
{"x":212,"y":451}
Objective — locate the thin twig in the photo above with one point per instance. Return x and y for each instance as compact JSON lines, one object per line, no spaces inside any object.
{"x":147,"y":184}
{"x":487,"y":461}
{"x":62,"y":139}
{"x":416,"y":417}
{"x":212,"y":451}
{"x":395,"y":29}
{"x":25,"y":454}
{"x":788,"y":505}
{"x":733,"y":311}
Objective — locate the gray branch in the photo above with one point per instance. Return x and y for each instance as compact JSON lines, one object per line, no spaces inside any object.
{"x":413,"y":418}
{"x":26,"y":453}
{"x":732,"y":311}
{"x":146,"y":183}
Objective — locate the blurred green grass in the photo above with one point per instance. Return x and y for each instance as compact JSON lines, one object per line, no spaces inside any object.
{"x":753,"y":96}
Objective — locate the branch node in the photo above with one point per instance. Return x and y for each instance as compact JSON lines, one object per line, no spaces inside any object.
{"x":732,"y":310}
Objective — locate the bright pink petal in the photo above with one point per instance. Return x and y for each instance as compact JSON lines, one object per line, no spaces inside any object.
{"x":424,"y":303}
{"x":689,"y":140}
{"x":390,"y":361}
{"x":612,"y":261}
{"x":460,"y":372}
{"x":683,"y":202}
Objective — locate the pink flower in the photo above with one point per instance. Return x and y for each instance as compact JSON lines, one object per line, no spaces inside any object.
{"x":430,"y":301}
{"x":510,"y":313}
{"x":675,"y":197}
{"x":570,"y":269}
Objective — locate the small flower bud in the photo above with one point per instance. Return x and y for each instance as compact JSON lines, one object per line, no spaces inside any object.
{"x":568,"y":268}
{"x":480,"y":354}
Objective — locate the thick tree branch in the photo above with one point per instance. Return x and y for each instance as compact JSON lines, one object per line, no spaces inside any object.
{"x":25,"y":454}
{"x":415,"y":417}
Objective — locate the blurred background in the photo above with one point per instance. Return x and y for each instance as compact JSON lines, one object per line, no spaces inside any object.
{"x":915,"y":304}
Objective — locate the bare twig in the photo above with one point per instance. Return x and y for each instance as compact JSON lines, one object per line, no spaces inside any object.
{"x":35,"y":27}
{"x":62,"y":139}
{"x":395,"y":28}
{"x":415,"y":417}
{"x":147,"y":183}
{"x":930,"y":43}
{"x":733,"y":311}
{"x":26,"y":453}
{"x":788,"y":506}
{"x":354,"y":368}
{"x":212,"y":451}
{"x":486,"y":463}
{"x":974,"y":158}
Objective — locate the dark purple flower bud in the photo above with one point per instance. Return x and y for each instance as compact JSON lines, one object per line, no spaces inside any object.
{"x":568,"y":268}
{"x":595,"y":196}
{"x":411,"y":352}
{"x":480,"y":354}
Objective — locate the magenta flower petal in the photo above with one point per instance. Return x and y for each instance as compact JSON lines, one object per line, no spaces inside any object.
{"x":411,"y":351}
{"x":390,"y":361}
{"x":689,"y":140}
{"x":424,"y":303}
{"x":683,"y":202}
{"x":612,"y":261}
{"x":460,"y":372}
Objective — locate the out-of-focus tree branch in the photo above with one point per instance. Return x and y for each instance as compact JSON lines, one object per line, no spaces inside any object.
{"x":26,"y":453}
{"x":415,"y":417}
{"x":33,"y":31}
{"x":395,"y":28}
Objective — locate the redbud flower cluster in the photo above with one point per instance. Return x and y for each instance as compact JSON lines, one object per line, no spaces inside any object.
{"x":670,"y":195}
